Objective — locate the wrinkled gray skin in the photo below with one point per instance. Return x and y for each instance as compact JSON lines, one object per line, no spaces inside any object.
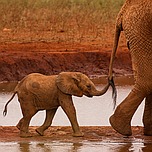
{"x":40,"y":92}
{"x":135,"y":19}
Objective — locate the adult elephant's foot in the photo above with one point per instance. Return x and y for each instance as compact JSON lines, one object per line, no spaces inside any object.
{"x":147,"y":117}
{"x":18,"y":126}
{"x":78,"y":134}
{"x":148,"y":131}
{"x":25,"y":134}
{"x":120,"y":125}
{"x":40,"y":131}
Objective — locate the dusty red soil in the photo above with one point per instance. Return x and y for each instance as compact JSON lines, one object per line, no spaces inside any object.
{"x":92,"y":133}
{"x":20,"y":59}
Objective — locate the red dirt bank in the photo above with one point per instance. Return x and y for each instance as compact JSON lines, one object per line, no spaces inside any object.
{"x":20,"y":59}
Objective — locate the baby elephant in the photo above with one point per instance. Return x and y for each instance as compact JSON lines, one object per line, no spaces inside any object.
{"x":40,"y":92}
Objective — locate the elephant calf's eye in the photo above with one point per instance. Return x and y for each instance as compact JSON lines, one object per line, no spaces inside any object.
{"x":89,"y":87}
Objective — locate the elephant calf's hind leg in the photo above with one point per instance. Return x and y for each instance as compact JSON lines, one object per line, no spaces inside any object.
{"x":48,"y":121}
{"x":25,"y":121}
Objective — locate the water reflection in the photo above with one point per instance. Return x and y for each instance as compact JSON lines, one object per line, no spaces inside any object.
{"x":147,"y":147}
{"x":123,"y":147}
{"x":85,"y":146}
{"x":24,"y":147}
{"x":50,"y":147}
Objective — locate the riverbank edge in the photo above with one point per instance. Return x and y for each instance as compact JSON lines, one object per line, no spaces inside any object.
{"x":64,"y":134}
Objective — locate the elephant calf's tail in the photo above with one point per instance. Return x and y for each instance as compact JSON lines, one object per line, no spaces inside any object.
{"x":5,"y":109}
{"x":114,"y":91}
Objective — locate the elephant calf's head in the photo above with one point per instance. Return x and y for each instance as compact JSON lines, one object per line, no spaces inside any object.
{"x":77,"y":84}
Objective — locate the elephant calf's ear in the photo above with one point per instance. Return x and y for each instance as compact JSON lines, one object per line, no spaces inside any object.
{"x":67,"y":82}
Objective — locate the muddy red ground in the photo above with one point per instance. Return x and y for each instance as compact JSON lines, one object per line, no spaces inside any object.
{"x":20,"y":59}
{"x":92,"y":133}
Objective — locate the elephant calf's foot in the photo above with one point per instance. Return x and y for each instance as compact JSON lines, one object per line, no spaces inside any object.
{"x":40,"y":131}
{"x":120,"y":125}
{"x":78,"y":134}
{"x":25,"y":134}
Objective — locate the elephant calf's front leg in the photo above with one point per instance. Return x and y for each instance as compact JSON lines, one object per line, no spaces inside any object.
{"x":69,"y":109}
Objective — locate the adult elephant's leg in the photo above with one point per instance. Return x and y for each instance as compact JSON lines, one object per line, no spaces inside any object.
{"x":147,"y":117}
{"x":69,"y":109}
{"x":121,"y":119}
{"x":48,"y":121}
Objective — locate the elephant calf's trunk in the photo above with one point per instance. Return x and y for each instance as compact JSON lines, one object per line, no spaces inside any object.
{"x":101,"y":92}
{"x":104,"y":90}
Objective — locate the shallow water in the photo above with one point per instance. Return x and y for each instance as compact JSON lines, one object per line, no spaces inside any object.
{"x":90,"y":111}
{"x":85,"y":146}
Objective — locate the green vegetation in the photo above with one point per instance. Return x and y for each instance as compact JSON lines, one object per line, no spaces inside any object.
{"x":61,"y":20}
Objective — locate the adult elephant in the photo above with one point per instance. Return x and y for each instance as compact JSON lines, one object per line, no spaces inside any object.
{"x":40,"y":92}
{"x":135,"y":19}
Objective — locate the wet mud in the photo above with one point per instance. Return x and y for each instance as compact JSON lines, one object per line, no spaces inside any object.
{"x":64,"y":133}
